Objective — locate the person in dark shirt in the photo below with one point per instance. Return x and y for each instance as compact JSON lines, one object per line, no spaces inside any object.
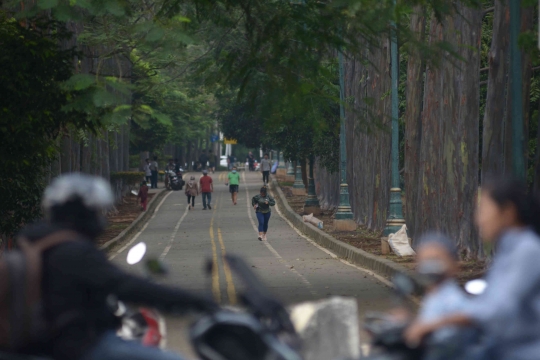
{"x":78,"y":279}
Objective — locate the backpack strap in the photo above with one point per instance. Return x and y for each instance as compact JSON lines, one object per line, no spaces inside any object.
{"x":54,"y":239}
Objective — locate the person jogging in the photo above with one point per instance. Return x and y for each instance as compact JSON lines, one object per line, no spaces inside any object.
{"x":206,"y":189}
{"x":192,"y":190}
{"x":261,"y":203}
{"x":266,"y":166}
{"x":234,"y":182}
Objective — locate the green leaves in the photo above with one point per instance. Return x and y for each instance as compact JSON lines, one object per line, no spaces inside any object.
{"x":47,"y":4}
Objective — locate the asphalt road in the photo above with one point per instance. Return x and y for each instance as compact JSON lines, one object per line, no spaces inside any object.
{"x":294,"y":268}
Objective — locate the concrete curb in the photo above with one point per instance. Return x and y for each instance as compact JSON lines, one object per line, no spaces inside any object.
{"x":136,"y":224}
{"x":383,"y":267}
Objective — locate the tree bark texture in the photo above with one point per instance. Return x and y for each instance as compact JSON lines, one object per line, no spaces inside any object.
{"x":448,"y":186}
{"x":327,"y":187}
{"x":368,"y":136}
{"x":497,"y":122}
{"x":413,"y":119}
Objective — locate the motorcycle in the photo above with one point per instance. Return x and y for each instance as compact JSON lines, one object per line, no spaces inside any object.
{"x":175,"y":181}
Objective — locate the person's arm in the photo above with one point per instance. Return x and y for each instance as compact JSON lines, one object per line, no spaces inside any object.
{"x":88,"y":265}
{"x":271,"y":201}
{"x":254,"y":201}
{"x":419,"y":330}
{"x":211,"y":185}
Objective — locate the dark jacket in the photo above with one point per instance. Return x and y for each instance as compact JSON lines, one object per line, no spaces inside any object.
{"x":77,"y":279}
{"x":261,"y":202}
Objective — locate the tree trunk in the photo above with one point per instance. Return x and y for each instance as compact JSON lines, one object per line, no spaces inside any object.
{"x":105,"y":166}
{"x":448,"y":187}
{"x":303,"y":166}
{"x":327,"y":187}
{"x":413,"y":121}
{"x":125,"y":158}
{"x":65,"y":155}
{"x":368,"y":136}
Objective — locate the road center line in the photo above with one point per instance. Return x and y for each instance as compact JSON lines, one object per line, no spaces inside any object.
{"x":231,"y":291}
{"x":271,"y":248}
{"x":215,"y":266}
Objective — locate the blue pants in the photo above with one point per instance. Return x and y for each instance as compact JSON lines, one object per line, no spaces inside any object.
{"x":263,"y":221}
{"x":205,"y":196}
{"x":111,"y":347}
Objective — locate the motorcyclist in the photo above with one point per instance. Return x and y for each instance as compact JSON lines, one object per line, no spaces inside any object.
{"x":508,"y":311}
{"x":169,"y":167}
{"x":78,"y":279}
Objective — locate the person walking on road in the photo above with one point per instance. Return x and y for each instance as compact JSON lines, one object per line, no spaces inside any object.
{"x":148,"y":171}
{"x":154,"y":170}
{"x":203,"y":160}
{"x":266,"y":166}
{"x":143,"y":195}
{"x":207,"y":187}
{"x":234,"y":182}
{"x":192,"y":190}
{"x":261,"y":203}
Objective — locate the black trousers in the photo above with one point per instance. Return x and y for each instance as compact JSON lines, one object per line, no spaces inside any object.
{"x":191,"y":199}
{"x":266,"y":176}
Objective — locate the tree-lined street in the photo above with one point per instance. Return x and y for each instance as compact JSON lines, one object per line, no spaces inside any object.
{"x":292,"y":267}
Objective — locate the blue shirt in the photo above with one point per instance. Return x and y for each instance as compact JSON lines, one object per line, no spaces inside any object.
{"x":509,"y":310}
{"x":447,"y":299}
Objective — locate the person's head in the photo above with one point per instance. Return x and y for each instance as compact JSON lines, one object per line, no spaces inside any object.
{"x":437,"y":258}
{"x":263,"y":191}
{"x":155,"y":158}
{"x":234,"y":169}
{"x":143,"y":183}
{"x":505,"y":204}
{"x":79,"y":202}
{"x":266,"y":156}
{"x":205,"y":172}
{"x":147,"y":160}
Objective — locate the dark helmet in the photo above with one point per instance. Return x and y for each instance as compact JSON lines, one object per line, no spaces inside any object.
{"x":78,"y":201}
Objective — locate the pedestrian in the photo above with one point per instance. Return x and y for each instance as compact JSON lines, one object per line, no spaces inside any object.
{"x":192,"y":190}
{"x":203,"y":159}
{"x":211,"y":161}
{"x":234,"y":183}
{"x":251,"y":161}
{"x":154,"y":169}
{"x":143,"y":194}
{"x":169,"y":167}
{"x":147,"y":171}
{"x":266,"y":166}
{"x":230,"y":161}
{"x":207,"y":187}
{"x":261,"y":203}
{"x":507,"y":312}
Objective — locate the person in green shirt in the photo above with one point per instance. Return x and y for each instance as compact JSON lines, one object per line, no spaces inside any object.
{"x":234,"y":182}
{"x":261,"y":203}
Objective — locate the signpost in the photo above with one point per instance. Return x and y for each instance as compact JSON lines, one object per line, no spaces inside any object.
{"x":230,"y":141}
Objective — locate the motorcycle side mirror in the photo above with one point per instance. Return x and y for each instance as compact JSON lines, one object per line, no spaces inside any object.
{"x":476,"y":287}
{"x":403,"y":284}
{"x":156,"y":267}
{"x":136,"y":253}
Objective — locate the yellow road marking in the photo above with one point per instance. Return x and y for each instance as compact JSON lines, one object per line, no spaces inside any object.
{"x":231,"y":291}
{"x":215,"y":268}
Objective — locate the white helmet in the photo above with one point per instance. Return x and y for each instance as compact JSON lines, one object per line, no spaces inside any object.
{"x":94,"y":191}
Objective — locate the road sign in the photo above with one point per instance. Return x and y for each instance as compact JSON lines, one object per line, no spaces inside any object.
{"x":214,"y":138}
{"x":230,"y":141}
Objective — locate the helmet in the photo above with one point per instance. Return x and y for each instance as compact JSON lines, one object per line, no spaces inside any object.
{"x":78,"y":201}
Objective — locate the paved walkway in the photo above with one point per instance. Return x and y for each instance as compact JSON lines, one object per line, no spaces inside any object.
{"x":292,"y":267}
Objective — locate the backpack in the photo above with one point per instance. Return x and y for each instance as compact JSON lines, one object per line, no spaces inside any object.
{"x":21,"y":317}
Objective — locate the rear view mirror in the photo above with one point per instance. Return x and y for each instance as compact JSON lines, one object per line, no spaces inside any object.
{"x":403,"y":284}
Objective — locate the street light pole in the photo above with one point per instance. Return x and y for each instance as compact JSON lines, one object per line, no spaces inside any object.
{"x":344,"y":212}
{"x":518,"y":160}
{"x":395,"y":218}
{"x":311,"y":205}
